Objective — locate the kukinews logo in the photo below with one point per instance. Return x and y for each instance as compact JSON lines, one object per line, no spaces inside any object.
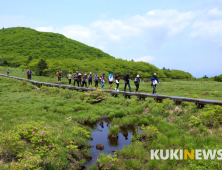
{"x":183,"y":154}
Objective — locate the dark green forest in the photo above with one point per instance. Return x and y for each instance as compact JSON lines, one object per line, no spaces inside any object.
{"x":25,"y":48}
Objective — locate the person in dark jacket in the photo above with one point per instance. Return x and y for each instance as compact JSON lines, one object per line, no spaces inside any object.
{"x":96,"y":79}
{"x":90,"y":80}
{"x":84,"y":80}
{"x":154,"y":80}
{"x":126,"y":78}
{"x":30,"y":74}
{"x":117,"y":78}
{"x":137,"y":83}
{"x":79,"y":80}
{"x":75,"y":77}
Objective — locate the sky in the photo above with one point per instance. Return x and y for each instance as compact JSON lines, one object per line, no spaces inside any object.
{"x":181,"y":35}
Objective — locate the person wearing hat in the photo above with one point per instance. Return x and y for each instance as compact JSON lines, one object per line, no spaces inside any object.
{"x":84,"y":80}
{"x":110,"y":78}
{"x":117,"y":78}
{"x":137,"y":83}
{"x":90,"y":79}
{"x":7,"y":71}
{"x":79,"y":80}
{"x":75,"y":77}
{"x":69,"y":76}
{"x":96,"y":79}
{"x":126,"y":78}
{"x":102,"y":80}
{"x":154,"y":80}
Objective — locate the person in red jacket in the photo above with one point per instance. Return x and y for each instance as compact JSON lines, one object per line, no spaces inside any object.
{"x":27,"y":73}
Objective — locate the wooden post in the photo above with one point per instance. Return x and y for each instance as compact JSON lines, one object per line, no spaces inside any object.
{"x":177,"y":102}
{"x":200,"y":105}
{"x":140,"y":98}
{"x":158,"y":100}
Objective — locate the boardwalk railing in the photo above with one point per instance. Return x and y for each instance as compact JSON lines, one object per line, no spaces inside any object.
{"x":158,"y":98}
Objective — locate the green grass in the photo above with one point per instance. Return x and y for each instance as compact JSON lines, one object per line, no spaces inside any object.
{"x":166,"y":126}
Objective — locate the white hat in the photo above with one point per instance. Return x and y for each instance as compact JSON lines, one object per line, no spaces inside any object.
{"x":85,"y":74}
{"x":138,"y":75}
{"x":80,"y":74}
{"x":90,"y":73}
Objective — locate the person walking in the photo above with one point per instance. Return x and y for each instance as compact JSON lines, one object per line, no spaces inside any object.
{"x":30,"y":74}
{"x":90,"y":79}
{"x":75,"y":77}
{"x":110,"y":78}
{"x":7,"y":71}
{"x":69,"y":76}
{"x":59,"y":77}
{"x":84,"y":80}
{"x":102,"y":80}
{"x":27,"y":73}
{"x":79,"y":79}
{"x":154,"y":80}
{"x":96,"y":79}
{"x":137,"y":83}
{"x":117,"y":78}
{"x":126,"y":78}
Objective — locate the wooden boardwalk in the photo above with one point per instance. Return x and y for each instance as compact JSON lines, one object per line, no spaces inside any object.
{"x":141,"y":96}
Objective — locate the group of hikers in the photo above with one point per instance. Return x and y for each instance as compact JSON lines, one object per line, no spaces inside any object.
{"x":82,"y":80}
{"x":29,"y":74}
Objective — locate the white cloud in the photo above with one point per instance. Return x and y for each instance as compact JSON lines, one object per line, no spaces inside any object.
{"x":155,"y":26}
{"x":145,"y":59}
{"x":45,"y":29}
{"x":208,"y":27}
{"x":214,"y":13}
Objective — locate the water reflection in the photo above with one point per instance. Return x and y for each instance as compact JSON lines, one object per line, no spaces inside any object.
{"x":100,"y":136}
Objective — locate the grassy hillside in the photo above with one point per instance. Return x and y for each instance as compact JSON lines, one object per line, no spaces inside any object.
{"x":25,"y":42}
{"x":24,"y":47}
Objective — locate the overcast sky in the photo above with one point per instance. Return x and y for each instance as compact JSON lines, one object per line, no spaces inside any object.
{"x":184,"y":35}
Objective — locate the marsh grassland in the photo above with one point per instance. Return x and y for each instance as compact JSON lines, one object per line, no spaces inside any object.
{"x":46,"y":128}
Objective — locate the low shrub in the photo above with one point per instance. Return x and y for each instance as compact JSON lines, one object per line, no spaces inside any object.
{"x":39,"y":135}
{"x":148,"y":133}
{"x":114,"y":130}
{"x":107,"y":161}
{"x":10,"y":145}
{"x":93,"y":97}
{"x":29,"y":162}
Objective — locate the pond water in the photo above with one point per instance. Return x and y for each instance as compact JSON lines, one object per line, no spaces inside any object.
{"x":100,"y":132}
